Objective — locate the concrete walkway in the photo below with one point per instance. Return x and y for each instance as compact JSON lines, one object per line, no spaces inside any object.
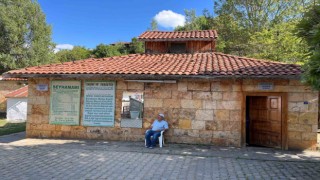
{"x":77,"y":159}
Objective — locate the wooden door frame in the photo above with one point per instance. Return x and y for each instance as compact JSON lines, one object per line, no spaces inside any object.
{"x":284,"y":116}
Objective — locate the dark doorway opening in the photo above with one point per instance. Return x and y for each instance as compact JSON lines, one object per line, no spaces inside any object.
{"x":263,"y":121}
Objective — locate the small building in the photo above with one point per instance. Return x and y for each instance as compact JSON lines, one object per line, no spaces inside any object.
{"x":6,"y":86}
{"x":207,"y":97}
{"x":17,"y":103}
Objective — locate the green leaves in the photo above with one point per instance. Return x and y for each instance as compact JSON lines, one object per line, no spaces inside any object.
{"x":309,"y":29}
{"x":25,"y":38}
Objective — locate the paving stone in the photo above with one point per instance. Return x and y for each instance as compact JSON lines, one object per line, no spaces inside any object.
{"x":78,"y":159}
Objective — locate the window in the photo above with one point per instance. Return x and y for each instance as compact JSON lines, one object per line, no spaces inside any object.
{"x":178,"y":48}
{"x":132,"y":109}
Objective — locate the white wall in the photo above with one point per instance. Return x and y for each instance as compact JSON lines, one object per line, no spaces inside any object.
{"x":17,"y":109}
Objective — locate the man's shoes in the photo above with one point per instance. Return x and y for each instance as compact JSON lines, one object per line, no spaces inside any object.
{"x":151,"y":147}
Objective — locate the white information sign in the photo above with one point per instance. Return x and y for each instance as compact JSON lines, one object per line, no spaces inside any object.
{"x":265,"y":86}
{"x":42,"y":87}
{"x":65,"y":102}
{"x":99,"y":103}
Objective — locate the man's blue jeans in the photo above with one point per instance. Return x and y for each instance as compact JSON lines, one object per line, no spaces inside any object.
{"x":152,"y":141}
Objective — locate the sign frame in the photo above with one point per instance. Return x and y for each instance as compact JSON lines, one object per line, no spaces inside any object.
{"x":86,"y":122}
{"x":76,"y":121}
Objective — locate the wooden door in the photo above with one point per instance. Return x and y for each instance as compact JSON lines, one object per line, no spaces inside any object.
{"x":265,"y":121}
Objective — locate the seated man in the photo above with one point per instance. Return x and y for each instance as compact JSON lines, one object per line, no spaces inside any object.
{"x":158,"y":125}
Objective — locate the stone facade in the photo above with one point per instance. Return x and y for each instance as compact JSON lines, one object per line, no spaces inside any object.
{"x":198,"y":112}
{"x":5,"y":88}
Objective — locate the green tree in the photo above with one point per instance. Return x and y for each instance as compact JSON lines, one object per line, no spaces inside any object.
{"x":76,"y":53}
{"x":25,"y":38}
{"x":309,"y":29}
{"x":153,"y":25}
{"x":136,"y":46}
{"x":279,"y":44}
{"x":103,"y":50}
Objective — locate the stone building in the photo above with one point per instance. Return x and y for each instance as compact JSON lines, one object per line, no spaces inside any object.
{"x":206,"y":96}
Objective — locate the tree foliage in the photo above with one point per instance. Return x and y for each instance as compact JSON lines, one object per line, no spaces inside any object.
{"x":253,"y":28}
{"x":76,"y":53}
{"x":309,"y":29}
{"x":25,"y":38}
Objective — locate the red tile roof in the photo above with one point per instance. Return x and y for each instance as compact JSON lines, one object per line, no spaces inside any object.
{"x":12,"y":79}
{"x":200,"y":65}
{"x":178,"y":35}
{"x":22,"y":92}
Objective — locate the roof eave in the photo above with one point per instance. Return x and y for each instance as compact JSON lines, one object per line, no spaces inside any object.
{"x":152,"y":76}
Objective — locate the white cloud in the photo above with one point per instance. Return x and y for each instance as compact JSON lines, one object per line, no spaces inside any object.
{"x":60,"y":47}
{"x":170,"y":19}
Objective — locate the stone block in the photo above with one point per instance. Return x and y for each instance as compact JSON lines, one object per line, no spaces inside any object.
{"x":315,"y":129}
{"x":209,"y":104}
{"x":182,"y":86}
{"x":311,"y":97}
{"x":185,"y":124}
{"x":293,"y":117}
{"x":235,"y":115}
{"x":212,"y":125}
{"x":250,"y":88}
{"x":297,"y":107}
{"x":219,"y":142}
{"x":38,"y":109}
{"x":202,"y":95}
{"x":180,"y":132}
{"x":302,"y":145}
{"x":56,"y":134}
{"x":169,"y":86}
{"x":231,"y":125}
{"x":220,"y":134}
{"x":204,"y":115}
{"x":171,"y":103}
{"x":121,"y":85}
{"x":181,"y":95}
{"x":199,"y":125}
{"x":308,"y":136}
{"x":308,"y":118}
{"x":294,"y":97}
{"x":135,"y":86}
{"x":222,"y":115}
{"x":232,"y":96}
{"x":193,"y":133}
{"x":300,"y":127}
{"x":66,"y":128}
{"x":229,"y":105}
{"x":78,"y":128}
{"x":234,"y":142}
{"x":295,"y":83}
{"x":236,"y":88}
{"x":198,"y":86}
{"x":216,"y":95}
{"x":295,"y":135}
{"x":205,"y":134}
{"x":152,"y":103}
{"x":192,"y":104}
{"x":161,"y":94}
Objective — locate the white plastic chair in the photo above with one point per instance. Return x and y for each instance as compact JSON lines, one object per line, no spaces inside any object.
{"x":161,"y":139}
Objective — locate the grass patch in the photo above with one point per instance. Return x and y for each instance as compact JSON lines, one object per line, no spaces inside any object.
{"x":10,"y":128}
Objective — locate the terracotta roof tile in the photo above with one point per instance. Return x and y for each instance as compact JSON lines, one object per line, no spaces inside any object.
{"x":199,"y":65}
{"x":12,"y":79}
{"x":22,"y":92}
{"x":178,"y":35}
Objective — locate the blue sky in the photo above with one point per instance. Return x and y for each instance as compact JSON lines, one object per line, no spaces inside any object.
{"x":91,"y":22}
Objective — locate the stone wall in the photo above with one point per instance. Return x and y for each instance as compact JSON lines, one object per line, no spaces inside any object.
{"x":198,"y":112}
{"x":5,"y":88}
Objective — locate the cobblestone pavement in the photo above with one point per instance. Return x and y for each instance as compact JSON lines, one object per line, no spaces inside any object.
{"x":76,"y":159}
